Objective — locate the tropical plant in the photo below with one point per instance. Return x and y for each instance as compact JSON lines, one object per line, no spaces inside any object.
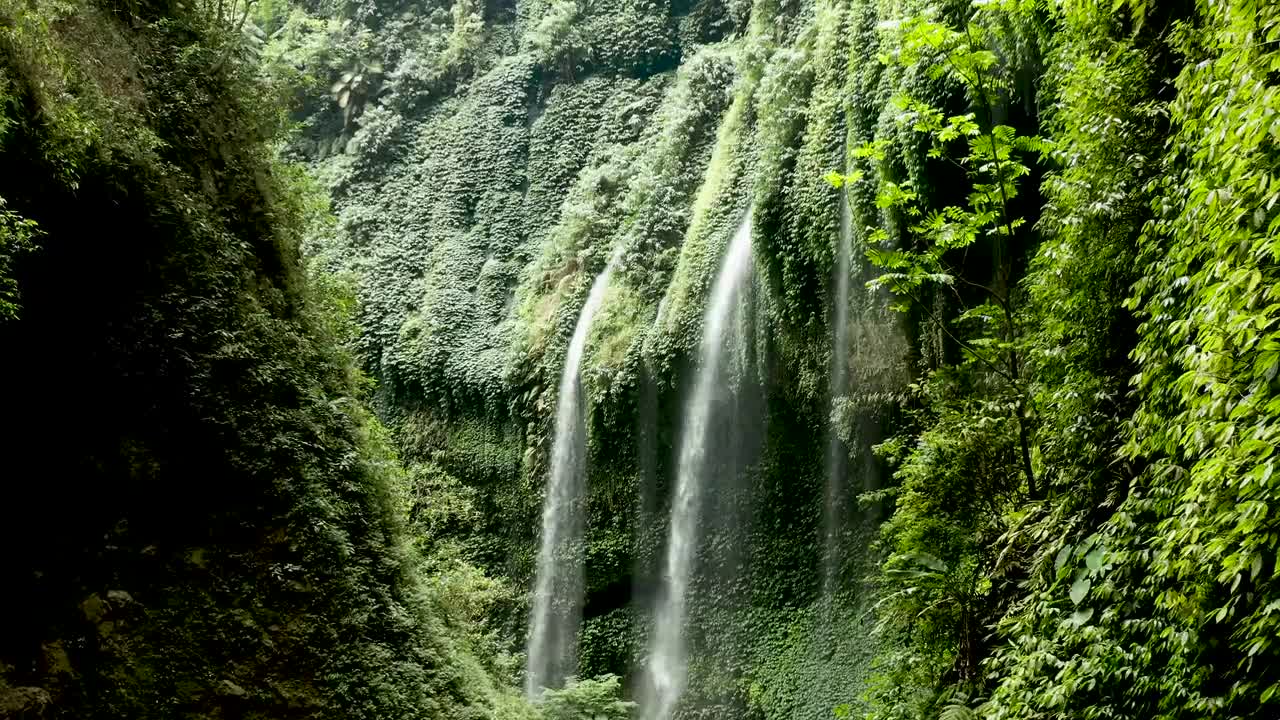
{"x":354,"y":87}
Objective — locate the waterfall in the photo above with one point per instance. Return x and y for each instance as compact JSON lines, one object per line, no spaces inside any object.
{"x":558,"y":590}
{"x":833,"y":519}
{"x":667,"y":653}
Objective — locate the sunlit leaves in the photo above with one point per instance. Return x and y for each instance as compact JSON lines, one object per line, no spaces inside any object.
{"x":17,"y":237}
{"x":1184,"y":571}
{"x":1209,"y":323}
{"x":837,"y":181}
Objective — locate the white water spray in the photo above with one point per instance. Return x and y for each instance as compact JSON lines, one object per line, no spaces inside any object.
{"x":668,"y":663}
{"x":558,"y":590}
{"x":833,"y":521}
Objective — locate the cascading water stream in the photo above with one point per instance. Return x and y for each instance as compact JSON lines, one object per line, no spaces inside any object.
{"x":667,"y":656}
{"x":558,"y":589}
{"x":833,"y":520}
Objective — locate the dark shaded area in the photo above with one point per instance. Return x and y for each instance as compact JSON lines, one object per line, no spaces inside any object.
{"x":189,"y":524}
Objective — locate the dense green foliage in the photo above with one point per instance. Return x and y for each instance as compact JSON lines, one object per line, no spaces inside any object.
{"x":292,"y":285}
{"x":1067,"y":202}
{"x":1119,"y":566}
{"x":200,"y":518}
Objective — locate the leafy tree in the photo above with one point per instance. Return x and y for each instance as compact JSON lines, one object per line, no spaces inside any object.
{"x":972,"y":458}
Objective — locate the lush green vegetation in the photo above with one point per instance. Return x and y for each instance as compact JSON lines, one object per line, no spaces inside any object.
{"x":201,"y":517}
{"x":286,"y":288}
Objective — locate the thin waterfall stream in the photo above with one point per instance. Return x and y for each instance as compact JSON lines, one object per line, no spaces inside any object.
{"x":833,"y":519}
{"x":668,"y":662}
{"x":559,"y":584}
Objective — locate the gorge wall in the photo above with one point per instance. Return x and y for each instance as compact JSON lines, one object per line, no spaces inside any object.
{"x":1013,"y":172}
{"x":503,"y":155}
{"x":923,"y":359}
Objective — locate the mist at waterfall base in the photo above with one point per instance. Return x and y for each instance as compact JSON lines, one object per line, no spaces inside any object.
{"x":559,"y":585}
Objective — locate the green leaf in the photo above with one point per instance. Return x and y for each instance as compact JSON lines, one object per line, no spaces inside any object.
{"x":1095,"y":559}
{"x":1080,"y":617}
{"x":927,"y":560}
{"x":1063,"y":556}
{"x":1080,"y":588}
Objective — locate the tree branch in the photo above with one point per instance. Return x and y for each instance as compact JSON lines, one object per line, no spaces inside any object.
{"x":994,"y":367}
